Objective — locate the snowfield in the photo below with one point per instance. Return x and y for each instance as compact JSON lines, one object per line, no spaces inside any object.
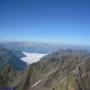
{"x":32,"y":57}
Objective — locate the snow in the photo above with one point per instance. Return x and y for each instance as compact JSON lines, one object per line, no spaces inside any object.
{"x":32,"y":57}
{"x":36,"y":83}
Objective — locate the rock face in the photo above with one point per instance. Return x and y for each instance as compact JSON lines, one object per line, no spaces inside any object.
{"x":11,"y":78}
{"x":61,"y":70}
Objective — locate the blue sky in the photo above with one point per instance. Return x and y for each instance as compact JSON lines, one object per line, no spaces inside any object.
{"x":59,"y":21}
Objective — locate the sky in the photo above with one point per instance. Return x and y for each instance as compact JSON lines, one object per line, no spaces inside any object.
{"x":57,"y":21}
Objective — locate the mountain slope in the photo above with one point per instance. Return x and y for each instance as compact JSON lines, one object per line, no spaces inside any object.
{"x":66,"y":70}
{"x":7,"y":57}
{"x":11,"y":78}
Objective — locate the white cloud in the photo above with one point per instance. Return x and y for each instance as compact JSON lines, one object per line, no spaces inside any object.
{"x":32,"y":57}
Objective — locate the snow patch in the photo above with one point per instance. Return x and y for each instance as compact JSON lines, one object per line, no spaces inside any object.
{"x":36,"y":83}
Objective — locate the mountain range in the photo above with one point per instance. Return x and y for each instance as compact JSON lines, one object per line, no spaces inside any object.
{"x":65,"y":69}
{"x":39,"y":47}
